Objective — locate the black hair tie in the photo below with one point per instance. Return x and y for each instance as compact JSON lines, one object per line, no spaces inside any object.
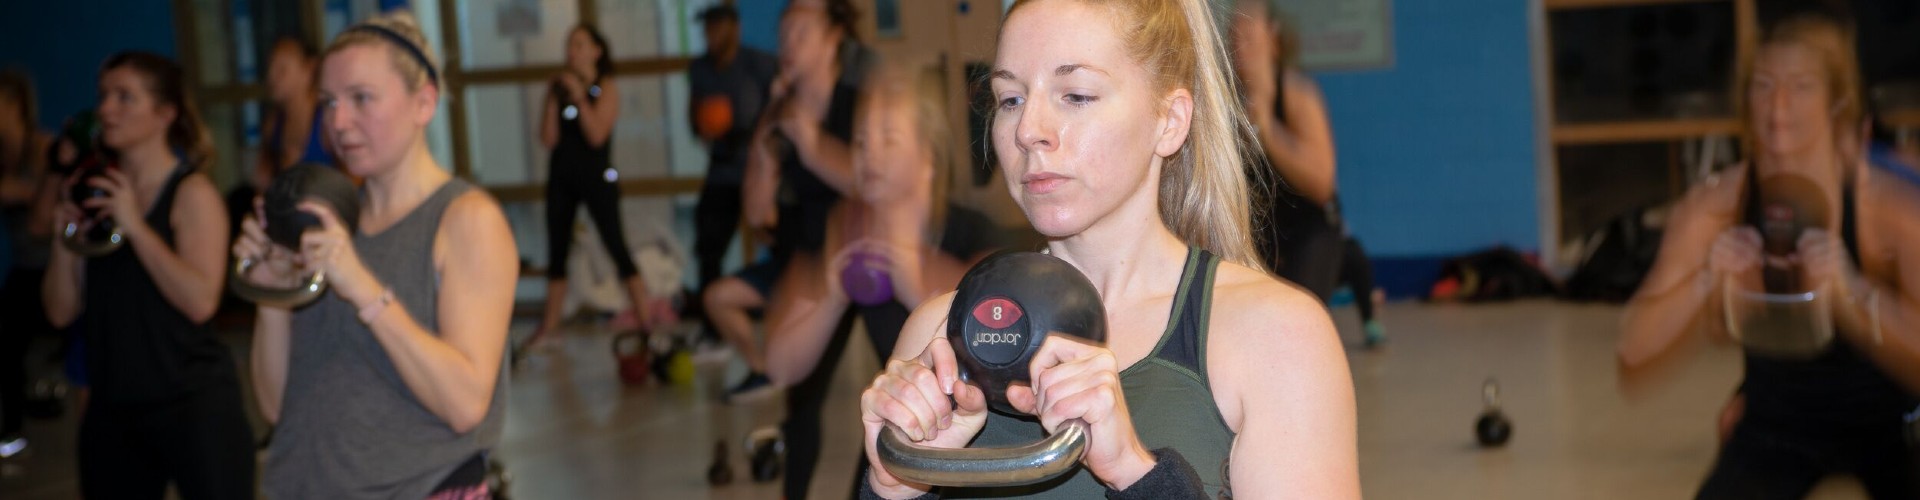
{"x":412,"y":49}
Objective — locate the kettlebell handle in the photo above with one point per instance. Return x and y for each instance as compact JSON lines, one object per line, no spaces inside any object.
{"x":963,"y":467}
{"x":315,"y":286}
{"x":76,"y":240}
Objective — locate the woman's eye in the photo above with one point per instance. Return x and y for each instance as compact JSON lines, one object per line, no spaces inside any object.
{"x":1011,"y":102}
{"x":1079,"y":100}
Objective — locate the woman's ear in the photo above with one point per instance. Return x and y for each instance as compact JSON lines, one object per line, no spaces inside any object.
{"x":426,"y":103}
{"x":168,"y":113}
{"x":1176,"y":121}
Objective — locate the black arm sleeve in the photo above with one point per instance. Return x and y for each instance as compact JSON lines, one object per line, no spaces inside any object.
{"x":1171,"y":478}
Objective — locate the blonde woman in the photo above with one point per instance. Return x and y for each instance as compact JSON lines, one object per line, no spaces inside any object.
{"x":1119,"y":135}
{"x":391,"y":385}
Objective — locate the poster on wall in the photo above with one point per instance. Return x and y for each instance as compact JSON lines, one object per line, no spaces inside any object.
{"x":1342,"y":34}
{"x":518,"y":19}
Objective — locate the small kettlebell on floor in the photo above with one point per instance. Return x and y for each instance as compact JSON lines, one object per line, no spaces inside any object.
{"x":767,"y":453}
{"x":1493,"y":429}
{"x":498,"y":481}
{"x":721,"y":472}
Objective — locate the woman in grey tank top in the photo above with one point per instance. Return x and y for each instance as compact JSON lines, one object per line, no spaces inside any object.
{"x":1118,"y":135}
{"x":391,"y":385}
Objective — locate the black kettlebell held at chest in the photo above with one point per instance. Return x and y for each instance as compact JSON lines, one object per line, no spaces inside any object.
{"x":285,"y":223}
{"x":1004,"y":309}
{"x":103,"y":237}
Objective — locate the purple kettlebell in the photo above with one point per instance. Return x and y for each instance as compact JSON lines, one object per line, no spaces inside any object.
{"x":865,"y":279}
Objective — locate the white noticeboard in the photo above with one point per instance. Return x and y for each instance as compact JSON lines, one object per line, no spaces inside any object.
{"x":1342,"y":34}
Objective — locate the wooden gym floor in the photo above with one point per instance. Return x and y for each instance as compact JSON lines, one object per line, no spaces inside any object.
{"x":574,"y":432}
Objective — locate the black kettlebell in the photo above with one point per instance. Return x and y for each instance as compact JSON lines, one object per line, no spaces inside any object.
{"x":721,"y":471}
{"x":1004,"y":309}
{"x":284,"y":224}
{"x":568,"y":111}
{"x":1789,"y":206}
{"x":82,"y":133}
{"x":83,"y":188}
{"x":281,"y":203}
{"x":1492,"y":429}
{"x":767,"y":451}
{"x":46,"y":399}
{"x":498,"y":481}
{"x":103,"y":237}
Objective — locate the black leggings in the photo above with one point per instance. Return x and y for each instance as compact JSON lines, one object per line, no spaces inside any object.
{"x":805,"y":403}
{"x":1311,"y":259}
{"x":1357,"y":273}
{"x":1322,"y":259}
{"x":1762,"y":461}
{"x":569,"y":186}
{"x":716,"y":220}
{"x":25,"y":320}
{"x":201,"y":443}
{"x":807,"y":400}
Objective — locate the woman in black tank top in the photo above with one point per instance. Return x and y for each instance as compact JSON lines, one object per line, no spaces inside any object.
{"x":1300,"y":234}
{"x":582,"y":106}
{"x":1117,"y":130}
{"x":1849,"y":407}
{"x":165,"y":405}
{"x":412,"y":331}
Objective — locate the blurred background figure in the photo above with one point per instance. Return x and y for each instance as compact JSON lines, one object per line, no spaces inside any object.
{"x":294,"y":133}
{"x":295,"y":130}
{"x":582,"y":106}
{"x":1301,"y":236}
{"x":166,"y":408}
{"x":26,"y":202}
{"x":1846,"y":407}
{"x":798,"y":166}
{"x":898,"y":242}
{"x":728,"y":88}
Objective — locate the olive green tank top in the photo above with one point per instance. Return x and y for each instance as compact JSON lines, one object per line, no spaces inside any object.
{"x":1167,"y":394}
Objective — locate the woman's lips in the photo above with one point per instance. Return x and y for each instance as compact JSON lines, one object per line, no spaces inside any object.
{"x":1043,"y":183}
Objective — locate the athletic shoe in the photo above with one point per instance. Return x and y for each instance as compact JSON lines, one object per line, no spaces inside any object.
{"x":754,"y":388}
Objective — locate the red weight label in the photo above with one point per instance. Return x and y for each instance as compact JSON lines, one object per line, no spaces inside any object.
{"x":996,"y":313}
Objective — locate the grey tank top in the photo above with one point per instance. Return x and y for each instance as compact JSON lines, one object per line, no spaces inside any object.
{"x":349,"y":426}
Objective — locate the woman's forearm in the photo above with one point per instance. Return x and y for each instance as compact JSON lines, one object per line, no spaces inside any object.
{"x":272,"y":339}
{"x":1655,"y":322}
{"x":61,"y":287}
{"x":452,"y":385}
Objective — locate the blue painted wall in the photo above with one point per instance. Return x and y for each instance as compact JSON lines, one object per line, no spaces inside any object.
{"x":63,"y":43}
{"x":1437,"y":153}
{"x":760,"y":23}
